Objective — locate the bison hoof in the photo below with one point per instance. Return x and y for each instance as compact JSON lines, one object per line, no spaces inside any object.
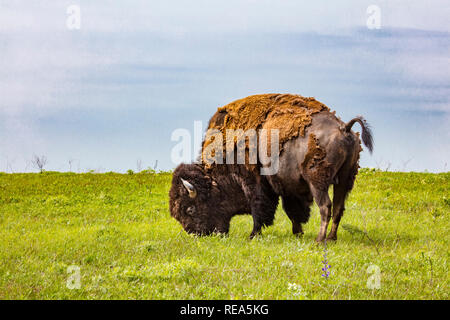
{"x":254,"y":234}
{"x":320,"y":239}
{"x":297,"y":229}
{"x":332,"y":237}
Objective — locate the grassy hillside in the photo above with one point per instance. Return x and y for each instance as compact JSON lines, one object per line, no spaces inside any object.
{"x":117,"y":229}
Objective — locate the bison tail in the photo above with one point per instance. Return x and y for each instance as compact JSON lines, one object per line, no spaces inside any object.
{"x":366,"y":131}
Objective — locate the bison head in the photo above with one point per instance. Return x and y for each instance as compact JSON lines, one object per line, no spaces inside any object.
{"x":194,"y":201}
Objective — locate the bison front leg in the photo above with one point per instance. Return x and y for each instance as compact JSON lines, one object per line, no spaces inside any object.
{"x":297,"y":209}
{"x":257,"y":226}
{"x":263,"y":204}
{"x":324,"y":203}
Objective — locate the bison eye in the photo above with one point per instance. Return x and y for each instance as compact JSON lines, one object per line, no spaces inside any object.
{"x":190,"y":211}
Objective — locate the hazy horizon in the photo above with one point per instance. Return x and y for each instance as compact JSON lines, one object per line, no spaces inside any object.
{"x":112,"y":92}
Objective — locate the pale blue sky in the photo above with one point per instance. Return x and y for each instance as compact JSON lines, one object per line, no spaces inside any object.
{"x":112,"y":92}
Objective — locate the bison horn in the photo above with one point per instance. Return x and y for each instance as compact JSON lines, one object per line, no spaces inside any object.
{"x":190,"y":188}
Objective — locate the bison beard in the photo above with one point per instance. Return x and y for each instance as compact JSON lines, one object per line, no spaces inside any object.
{"x":317,"y":149}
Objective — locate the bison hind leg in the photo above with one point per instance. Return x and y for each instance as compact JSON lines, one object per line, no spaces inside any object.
{"x":341,"y":190}
{"x":298,"y":210}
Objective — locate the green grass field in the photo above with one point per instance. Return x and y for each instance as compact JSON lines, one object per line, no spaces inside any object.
{"x":117,"y":229}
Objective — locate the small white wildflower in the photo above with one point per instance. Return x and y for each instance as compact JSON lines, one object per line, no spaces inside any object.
{"x":297,"y":290}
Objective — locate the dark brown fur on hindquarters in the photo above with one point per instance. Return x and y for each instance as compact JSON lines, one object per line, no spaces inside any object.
{"x":327,"y":154}
{"x":326,"y":151}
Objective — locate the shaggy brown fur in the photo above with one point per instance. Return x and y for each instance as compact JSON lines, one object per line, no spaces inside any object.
{"x":318,"y":150}
{"x":316,"y":169}
{"x":288,"y":113}
{"x":222,"y":192}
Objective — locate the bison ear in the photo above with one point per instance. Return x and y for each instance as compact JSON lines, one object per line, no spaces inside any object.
{"x":190,"y":188}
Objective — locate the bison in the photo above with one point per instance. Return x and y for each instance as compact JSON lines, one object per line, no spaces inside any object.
{"x":320,"y":151}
